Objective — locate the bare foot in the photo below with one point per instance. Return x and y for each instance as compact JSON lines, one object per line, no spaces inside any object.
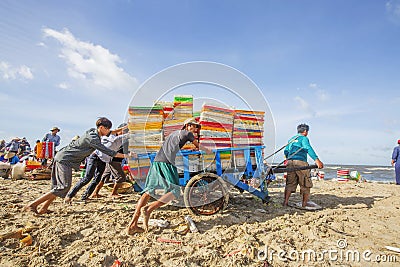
{"x":67,"y":200}
{"x":30,"y":209}
{"x":42,"y":211}
{"x":96,"y":196}
{"x":116,"y":196}
{"x":146,"y":217}
{"x":134,"y":230}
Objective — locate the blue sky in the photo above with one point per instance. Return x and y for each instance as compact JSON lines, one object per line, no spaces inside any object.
{"x":332,"y":64}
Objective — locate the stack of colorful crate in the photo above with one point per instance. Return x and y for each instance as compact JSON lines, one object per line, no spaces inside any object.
{"x":182,"y":110}
{"x":168,"y":108}
{"x":145,"y":127}
{"x":216,"y":132}
{"x":183,"y":106}
{"x":172,"y":125}
{"x":248,"y":130}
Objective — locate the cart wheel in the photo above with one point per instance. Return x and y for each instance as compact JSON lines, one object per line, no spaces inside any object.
{"x":206,"y":194}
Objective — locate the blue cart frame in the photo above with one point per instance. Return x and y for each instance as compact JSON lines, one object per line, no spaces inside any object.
{"x":238,"y":176}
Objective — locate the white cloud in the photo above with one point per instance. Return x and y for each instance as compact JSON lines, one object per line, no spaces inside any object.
{"x":313,"y":85}
{"x":322,"y":95}
{"x":63,"y":86}
{"x":393,"y":7}
{"x":304,"y":106}
{"x":393,"y":11}
{"x":41,"y":44}
{"x":9,"y":72}
{"x":90,"y":63}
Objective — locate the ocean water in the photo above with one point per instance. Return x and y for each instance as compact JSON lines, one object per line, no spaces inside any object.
{"x":384,"y":174}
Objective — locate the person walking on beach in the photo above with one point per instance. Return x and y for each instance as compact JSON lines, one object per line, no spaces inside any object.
{"x":163,"y":173}
{"x":70,"y":157}
{"x":396,"y":161}
{"x":296,"y":153}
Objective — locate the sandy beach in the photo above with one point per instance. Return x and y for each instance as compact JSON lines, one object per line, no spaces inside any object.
{"x":356,"y":217}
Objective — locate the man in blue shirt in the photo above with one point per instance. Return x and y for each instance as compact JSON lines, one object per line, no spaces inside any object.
{"x":296,"y":153}
{"x":51,"y":137}
{"x":396,"y":161}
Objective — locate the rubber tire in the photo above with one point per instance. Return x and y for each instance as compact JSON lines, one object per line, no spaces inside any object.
{"x":194,"y":180}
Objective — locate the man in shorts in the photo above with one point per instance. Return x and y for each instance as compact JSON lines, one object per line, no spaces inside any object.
{"x":70,"y":157}
{"x":296,"y":153}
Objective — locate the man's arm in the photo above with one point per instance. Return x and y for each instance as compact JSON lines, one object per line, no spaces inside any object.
{"x":395,"y":154}
{"x":201,"y":147}
{"x":57,"y":142}
{"x":306,"y":145}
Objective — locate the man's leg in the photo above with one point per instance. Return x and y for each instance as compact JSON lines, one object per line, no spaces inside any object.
{"x":147,"y":210}
{"x":306,"y":197}
{"x":291,"y":183}
{"x":45,"y":208}
{"x":119,"y":174}
{"x":96,"y":191}
{"x":287,"y":196}
{"x":133,"y":225}
{"x":305,"y":186}
{"x":105,"y":176}
{"x":97,"y":178}
{"x":91,"y":166}
{"x":48,"y":198}
{"x":397,"y":170}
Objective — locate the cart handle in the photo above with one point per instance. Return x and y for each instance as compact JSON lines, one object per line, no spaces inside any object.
{"x":281,"y":170}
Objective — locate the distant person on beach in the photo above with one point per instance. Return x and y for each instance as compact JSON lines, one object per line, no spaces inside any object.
{"x":296,"y":153}
{"x":12,"y":148}
{"x":35,"y":149}
{"x":51,"y":137}
{"x":70,"y":157}
{"x":396,"y":161}
{"x":2,"y":145}
{"x":24,"y":147}
{"x":163,"y":173}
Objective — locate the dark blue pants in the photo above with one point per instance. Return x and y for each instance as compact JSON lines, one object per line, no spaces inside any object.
{"x":94,"y":168}
{"x":397,"y":170}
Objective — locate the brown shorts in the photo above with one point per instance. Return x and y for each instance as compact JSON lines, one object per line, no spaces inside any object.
{"x":301,"y":178}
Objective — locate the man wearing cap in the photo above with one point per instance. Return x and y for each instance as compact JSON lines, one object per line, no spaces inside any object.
{"x":163,"y":173}
{"x":296,"y":153}
{"x":396,"y":161}
{"x":51,"y":137}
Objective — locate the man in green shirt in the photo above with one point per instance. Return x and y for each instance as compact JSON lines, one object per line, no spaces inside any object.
{"x":296,"y":153}
{"x":70,"y":157}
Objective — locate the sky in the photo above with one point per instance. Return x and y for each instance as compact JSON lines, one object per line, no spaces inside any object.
{"x":333,"y":64}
